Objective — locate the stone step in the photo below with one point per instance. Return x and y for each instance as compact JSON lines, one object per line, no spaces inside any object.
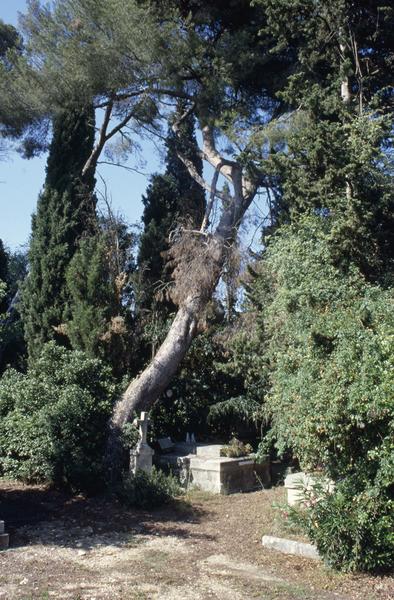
{"x":4,"y":541}
{"x":1,"y":526}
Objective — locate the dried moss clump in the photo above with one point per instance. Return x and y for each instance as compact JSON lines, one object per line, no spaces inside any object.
{"x":235,"y":449}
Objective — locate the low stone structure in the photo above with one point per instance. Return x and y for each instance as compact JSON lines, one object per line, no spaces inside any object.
{"x":141,"y":456}
{"x":290,"y":547}
{"x":213,"y":473}
{"x":4,"y":537}
{"x":297,"y":484}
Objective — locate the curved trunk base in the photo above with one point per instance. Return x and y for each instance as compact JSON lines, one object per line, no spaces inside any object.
{"x":143,"y":391}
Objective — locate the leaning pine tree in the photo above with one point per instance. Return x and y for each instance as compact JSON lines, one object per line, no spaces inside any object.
{"x":222,"y":68}
{"x":65,"y":212}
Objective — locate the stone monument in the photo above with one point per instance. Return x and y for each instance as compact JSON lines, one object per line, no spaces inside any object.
{"x":141,"y":455}
{"x":301,"y":485}
{"x":203,"y":466}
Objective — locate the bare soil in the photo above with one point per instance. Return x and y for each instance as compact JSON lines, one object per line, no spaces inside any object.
{"x":203,"y":547}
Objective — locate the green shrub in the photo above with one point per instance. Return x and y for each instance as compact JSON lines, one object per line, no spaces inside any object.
{"x":353,"y":527}
{"x":54,"y":419}
{"x":144,"y":490}
{"x":326,"y":338}
{"x":330,"y":347}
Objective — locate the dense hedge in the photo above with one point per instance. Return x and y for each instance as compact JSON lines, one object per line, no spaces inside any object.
{"x":54,"y":418}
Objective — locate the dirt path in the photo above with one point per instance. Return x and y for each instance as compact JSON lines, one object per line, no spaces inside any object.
{"x":206,"y":548}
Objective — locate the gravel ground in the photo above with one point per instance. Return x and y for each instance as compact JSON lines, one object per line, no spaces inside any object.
{"x":203,"y":547}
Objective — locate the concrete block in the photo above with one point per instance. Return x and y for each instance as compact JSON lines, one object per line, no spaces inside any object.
{"x":295,"y":484}
{"x":4,"y":541}
{"x":290,"y":547}
{"x":299,"y":483}
{"x":222,"y":475}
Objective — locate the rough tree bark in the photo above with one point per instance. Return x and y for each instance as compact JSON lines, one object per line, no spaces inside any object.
{"x":143,"y":391}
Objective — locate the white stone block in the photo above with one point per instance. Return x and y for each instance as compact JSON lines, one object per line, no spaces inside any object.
{"x":295,"y":483}
{"x":141,"y":459}
{"x":208,"y":450}
{"x":223,"y":475}
{"x":290,"y":547}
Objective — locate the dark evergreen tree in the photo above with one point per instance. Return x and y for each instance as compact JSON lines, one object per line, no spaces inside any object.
{"x":65,"y":213}
{"x":12,"y":343}
{"x":101,"y":296}
{"x":337,"y":160}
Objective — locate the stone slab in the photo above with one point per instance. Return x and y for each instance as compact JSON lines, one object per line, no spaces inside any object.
{"x":4,"y":541}
{"x":141,"y":459}
{"x":295,"y":480}
{"x":290,"y":547}
{"x":297,"y":483}
{"x":166,"y":444}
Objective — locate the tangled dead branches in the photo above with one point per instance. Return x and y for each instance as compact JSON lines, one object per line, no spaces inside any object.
{"x":196,"y":260}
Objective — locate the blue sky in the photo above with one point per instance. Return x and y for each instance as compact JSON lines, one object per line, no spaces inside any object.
{"x":21,"y":180}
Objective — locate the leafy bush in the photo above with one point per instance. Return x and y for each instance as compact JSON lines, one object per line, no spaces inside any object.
{"x":144,"y":490}
{"x":353,"y":527}
{"x":326,"y":336}
{"x":54,"y":418}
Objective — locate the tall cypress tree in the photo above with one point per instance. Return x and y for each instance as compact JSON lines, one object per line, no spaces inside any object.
{"x":101,"y":296}
{"x":3,"y":274}
{"x":169,"y":198}
{"x":65,"y":213}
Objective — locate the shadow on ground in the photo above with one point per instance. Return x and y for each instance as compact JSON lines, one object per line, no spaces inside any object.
{"x":39,"y":515}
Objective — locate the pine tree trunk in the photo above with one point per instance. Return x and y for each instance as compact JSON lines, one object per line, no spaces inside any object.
{"x":145,"y":390}
{"x":147,"y":387}
{"x":210,"y":252}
